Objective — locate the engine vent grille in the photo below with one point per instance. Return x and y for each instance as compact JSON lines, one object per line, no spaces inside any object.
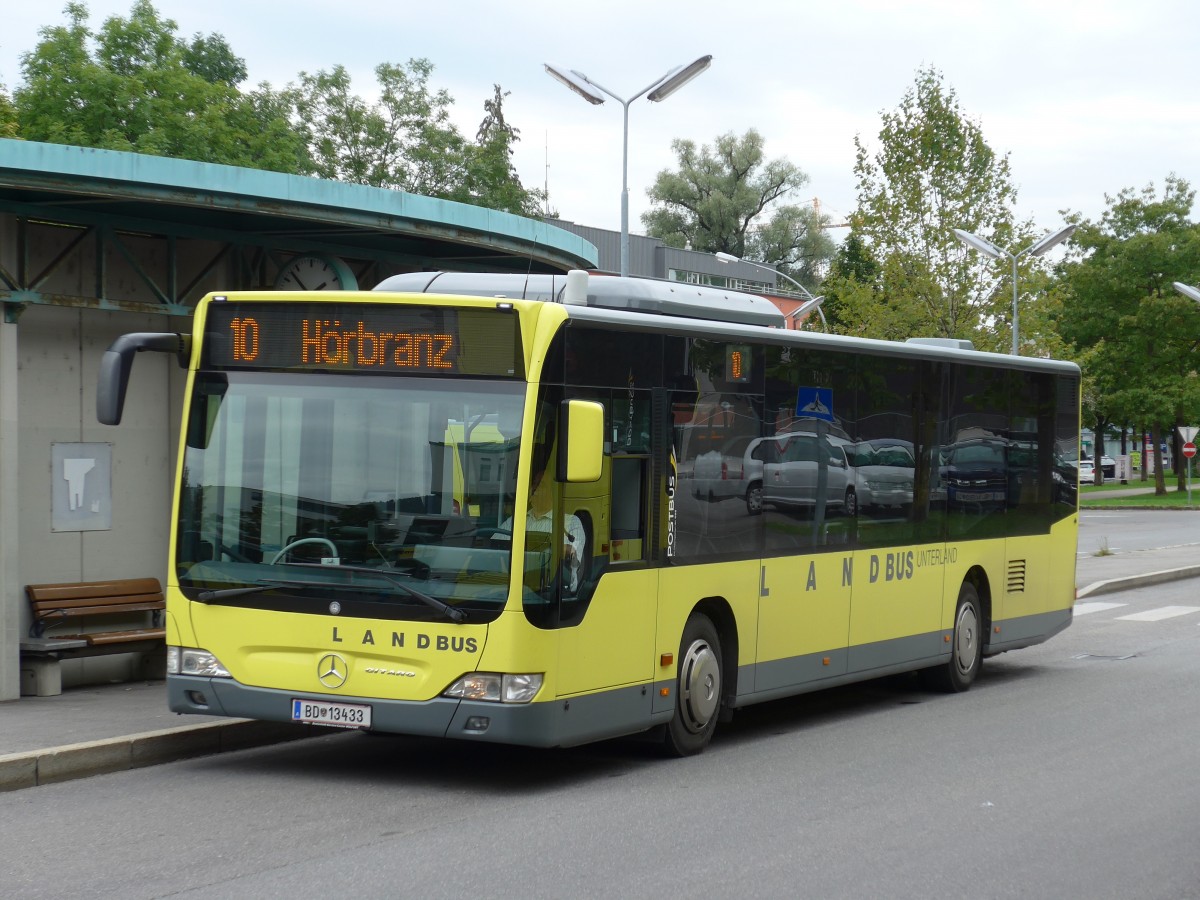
{"x":1016,"y":576}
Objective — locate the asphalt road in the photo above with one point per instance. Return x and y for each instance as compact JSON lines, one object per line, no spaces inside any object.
{"x":1137,"y":529}
{"x":1068,"y":771}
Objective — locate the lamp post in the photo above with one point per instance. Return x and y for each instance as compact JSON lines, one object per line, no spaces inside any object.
{"x":659,"y":89}
{"x":808,"y":305}
{"x":1188,"y":291}
{"x":990,"y":249}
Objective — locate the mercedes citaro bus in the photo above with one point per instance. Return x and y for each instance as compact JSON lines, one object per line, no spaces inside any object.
{"x":459,"y":505}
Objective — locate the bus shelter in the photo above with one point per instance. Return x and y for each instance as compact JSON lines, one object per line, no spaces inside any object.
{"x":98,"y":243}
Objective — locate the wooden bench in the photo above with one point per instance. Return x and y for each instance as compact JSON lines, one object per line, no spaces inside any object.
{"x":89,"y":610}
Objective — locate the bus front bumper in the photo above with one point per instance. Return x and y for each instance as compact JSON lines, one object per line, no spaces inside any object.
{"x":556,"y":723}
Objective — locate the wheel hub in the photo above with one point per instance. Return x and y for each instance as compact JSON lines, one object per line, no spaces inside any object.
{"x":700,"y":686}
{"x":966,"y":637}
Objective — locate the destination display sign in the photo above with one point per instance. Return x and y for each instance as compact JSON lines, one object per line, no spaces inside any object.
{"x":363,"y":337}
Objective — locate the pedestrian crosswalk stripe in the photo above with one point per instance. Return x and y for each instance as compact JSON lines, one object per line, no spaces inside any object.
{"x":1163,"y":612}
{"x":1092,"y":606}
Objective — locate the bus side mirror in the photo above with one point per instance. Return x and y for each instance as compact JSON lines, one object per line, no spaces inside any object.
{"x":118,"y":360}
{"x":580,"y":441}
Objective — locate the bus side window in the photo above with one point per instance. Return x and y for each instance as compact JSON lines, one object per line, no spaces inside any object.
{"x":628,"y":509}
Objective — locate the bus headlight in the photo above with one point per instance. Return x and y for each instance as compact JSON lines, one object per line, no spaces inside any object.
{"x":495,"y":688}
{"x":186,"y":661}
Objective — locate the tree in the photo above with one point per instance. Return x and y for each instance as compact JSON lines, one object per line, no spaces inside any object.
{"x":136,"y":85}
{"x":727,"y":198}
{"x":8,"y":115}
{"x":933,"y":172}
{"x":406,"y":140}
{"x":1135,"y":337}
{"x":492,"y":179}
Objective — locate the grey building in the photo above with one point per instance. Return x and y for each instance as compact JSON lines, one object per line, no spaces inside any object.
{"x":651,"y":258}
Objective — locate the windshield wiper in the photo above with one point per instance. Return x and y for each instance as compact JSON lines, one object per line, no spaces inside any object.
{"x":274,"y":584}
{"x":453,"y":613}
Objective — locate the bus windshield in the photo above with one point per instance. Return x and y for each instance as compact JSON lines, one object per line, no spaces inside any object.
{"x":383,"y":494}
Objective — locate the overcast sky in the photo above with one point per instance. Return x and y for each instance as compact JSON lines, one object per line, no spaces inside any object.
{"x":1086,"y":96}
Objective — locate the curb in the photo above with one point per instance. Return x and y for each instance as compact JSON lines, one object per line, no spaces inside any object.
{"x":1135,"y":581}
{"x":71,"y":761}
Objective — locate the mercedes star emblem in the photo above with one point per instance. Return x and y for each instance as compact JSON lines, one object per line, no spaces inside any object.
{"x":332,"y":670}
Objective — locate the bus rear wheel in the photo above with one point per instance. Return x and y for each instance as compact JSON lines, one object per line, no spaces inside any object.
{"x":697,"y":690}
{"x":966,"y":647}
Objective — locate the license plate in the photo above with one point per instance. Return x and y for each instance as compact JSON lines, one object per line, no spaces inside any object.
{"x":979,"y":496}
{"x":336,"y":715}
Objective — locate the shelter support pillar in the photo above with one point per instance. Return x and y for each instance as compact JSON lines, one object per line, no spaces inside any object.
{"x":10,"y":581}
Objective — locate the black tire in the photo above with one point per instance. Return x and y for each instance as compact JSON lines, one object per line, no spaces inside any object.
{"x":754,"y":501}
{"x":966,"y":647}
{"x":698,"y":688}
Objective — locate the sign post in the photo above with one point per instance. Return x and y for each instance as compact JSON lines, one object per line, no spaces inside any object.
{"x":1189,"y":450}
{"x":1188,"y":433}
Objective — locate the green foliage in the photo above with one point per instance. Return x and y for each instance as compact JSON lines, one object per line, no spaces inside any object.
{"x":8,"y":115}
{"x":406,"y":140}
{"x":136,"y":85}
{"x":933,"y":172}
{"x":728,"y":198}
{"x":1134,"y":336}
{"x":492,"y":180}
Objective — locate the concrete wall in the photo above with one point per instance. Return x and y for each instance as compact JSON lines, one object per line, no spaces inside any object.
{"x":58,"y":355}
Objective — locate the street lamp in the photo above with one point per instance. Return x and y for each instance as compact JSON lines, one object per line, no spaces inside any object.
{"x":807,"y":306}
{"x":1188,"y":291}
{"x":659,"y":90}
{"x":990,"y":249}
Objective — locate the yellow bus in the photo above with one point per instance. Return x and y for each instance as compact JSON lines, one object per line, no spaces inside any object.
{"x":466,"y":505}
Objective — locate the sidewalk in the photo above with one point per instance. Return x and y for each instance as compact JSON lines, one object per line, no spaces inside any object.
{"x":92,"y":730}
{"x":109,"y":728}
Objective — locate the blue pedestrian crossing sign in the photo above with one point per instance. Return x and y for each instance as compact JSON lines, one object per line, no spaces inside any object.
{"x":815,"y":403}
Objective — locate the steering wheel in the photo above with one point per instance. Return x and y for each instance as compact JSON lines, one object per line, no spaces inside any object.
{"x":312,"y":540}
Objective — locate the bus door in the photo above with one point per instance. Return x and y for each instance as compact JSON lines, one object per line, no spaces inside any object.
{"x":607,"y":633}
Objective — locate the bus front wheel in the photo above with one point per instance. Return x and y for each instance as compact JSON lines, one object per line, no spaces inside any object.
{"x":966,"y":647}
{"x":697,"y":690}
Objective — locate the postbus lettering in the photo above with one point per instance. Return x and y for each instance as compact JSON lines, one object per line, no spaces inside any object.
{"x":672,"y":474}
{"x":670,"y":516}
